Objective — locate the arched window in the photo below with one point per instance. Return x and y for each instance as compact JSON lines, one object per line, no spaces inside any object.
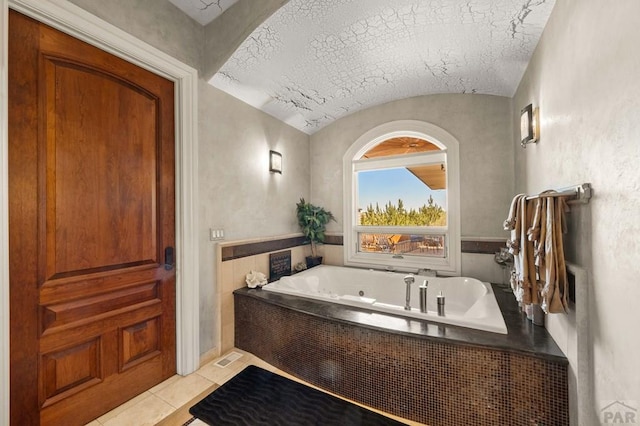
{"x":402,"y":198}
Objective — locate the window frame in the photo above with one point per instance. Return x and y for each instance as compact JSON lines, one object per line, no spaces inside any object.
{"x":353,"y":162}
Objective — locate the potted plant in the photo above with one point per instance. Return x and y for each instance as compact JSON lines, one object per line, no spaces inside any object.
{"x":313,"y":220}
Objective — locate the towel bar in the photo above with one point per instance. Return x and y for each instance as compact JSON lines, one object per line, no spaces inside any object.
{"x":582,"y":194}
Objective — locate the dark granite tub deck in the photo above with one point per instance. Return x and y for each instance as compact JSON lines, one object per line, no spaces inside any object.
{"x":436,"y":374}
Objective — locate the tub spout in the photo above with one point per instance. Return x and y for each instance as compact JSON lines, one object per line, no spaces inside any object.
{"x":408,"y":280}
{"x":423,"y":296}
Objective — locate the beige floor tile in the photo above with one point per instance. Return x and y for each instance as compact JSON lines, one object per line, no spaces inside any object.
{"x":116,"y":411}
{"x":216,"y":374}
{"x":245,"y":358}
{"x":260,"y":363}
{"x":221,"y":375}
{"x":184,"y":389}
{"x":169,"y":402}
{"x":251,"y":359}
{"x":182,"y":415}
{"x":146,"y":412}
{"x":237,"y":366}
{"x":240,"y":351}
{"x":164,"y":384}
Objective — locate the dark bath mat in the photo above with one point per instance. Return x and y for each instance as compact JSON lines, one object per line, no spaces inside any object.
{"x":259,"y":397}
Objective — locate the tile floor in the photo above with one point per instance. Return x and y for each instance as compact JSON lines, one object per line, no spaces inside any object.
{"x":167,"y":404}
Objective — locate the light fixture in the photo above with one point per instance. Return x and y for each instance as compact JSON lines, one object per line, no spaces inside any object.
{"x":528,"y":125}
{"x":275,"y":162}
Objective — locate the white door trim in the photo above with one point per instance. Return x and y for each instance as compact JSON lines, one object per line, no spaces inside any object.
{"x":77,"y":22}
{"x":4,"y":219}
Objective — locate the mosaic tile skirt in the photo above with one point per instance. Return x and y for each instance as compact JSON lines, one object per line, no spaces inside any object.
{"x":431,"y":381}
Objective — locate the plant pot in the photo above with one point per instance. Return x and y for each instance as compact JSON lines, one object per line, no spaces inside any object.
{"x":313,"y":261}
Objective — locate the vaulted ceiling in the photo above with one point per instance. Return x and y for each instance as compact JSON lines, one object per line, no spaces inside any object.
{"x":203,"y":11}
{"x":315,"y":61}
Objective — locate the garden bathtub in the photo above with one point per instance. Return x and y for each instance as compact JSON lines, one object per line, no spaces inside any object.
{"x":468,"y":301}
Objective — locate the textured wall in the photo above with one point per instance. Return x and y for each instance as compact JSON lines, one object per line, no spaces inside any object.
{"x":584,"y":77}
{"x":237,"y":192}
{"x":480,"y":123}
{"x":158,"y":23}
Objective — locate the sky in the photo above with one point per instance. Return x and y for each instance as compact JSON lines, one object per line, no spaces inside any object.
{"x":386,"y":185}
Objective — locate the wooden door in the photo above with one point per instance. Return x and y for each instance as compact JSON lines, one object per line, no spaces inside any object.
{"x":91,"y":211}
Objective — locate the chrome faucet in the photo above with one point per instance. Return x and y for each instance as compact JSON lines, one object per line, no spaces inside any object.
{"x":423,"y":296}
{"x":408,"y":280}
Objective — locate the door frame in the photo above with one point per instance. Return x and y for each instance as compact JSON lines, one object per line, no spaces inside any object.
{"x":75,"y":21}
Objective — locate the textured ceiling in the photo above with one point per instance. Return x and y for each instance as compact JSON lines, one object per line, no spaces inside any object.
{"x":314,"y":61}
{"x":203,"y":11}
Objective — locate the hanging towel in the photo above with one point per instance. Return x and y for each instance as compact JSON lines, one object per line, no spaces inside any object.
{"x":539,"y":245}
{"x":510,"y":223}
{"x":539,"y":273}
{"x":533,"y":233}
{"x":563,"y":283}
{"x":527,"y":274}
{"x":537,"y":235}
{"x":514,"y":224}
{"x":555,"y":287}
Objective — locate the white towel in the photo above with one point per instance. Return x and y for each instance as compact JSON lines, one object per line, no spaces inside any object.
{"x":514,"y":224}
{"x":527,"y":273}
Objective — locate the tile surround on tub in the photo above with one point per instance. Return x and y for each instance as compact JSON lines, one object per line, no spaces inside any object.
{"x":232,"y":272}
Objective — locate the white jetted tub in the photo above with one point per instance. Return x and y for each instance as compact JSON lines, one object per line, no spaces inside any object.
{"x":468,"y":301}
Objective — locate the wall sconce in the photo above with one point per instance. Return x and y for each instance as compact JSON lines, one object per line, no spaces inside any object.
{"x":275,"y":162}
{"x":528,"y":125}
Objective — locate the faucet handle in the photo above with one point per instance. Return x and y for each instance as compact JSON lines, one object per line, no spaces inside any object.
{"x":409,"y":279}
